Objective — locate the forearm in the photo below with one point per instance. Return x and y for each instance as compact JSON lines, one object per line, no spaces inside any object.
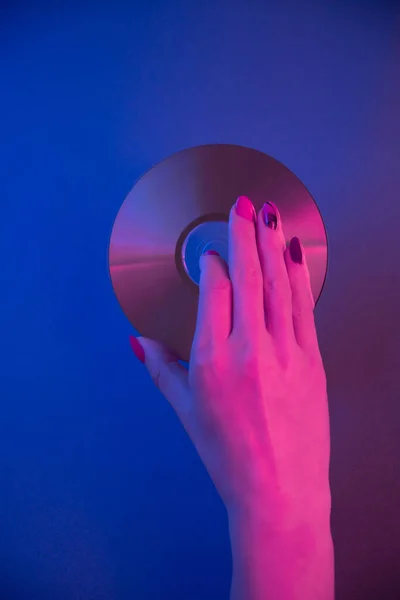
{"x":282,"y":563}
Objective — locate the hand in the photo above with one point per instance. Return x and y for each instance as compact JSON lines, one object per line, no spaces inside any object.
{"x":254,"y":404}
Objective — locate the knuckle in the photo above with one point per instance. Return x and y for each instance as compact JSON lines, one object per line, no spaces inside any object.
{"x":271,"y":282}
{"x":207,"y":353}
{"x":208,"y":365}
{"x":249,"y":275}
{"x":298,"y":311}
{"x":250,"y":359}
{"x":279,"y":287}
{"x":156,"y":377}
{"x":219,"y":284}
{"x":314,"y":357}
{"x":303,"y":309}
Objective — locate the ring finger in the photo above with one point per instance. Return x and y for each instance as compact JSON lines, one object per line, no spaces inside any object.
{"x":276,"y":284}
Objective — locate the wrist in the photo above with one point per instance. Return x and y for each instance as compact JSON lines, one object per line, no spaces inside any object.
{"x":279,"y":513}
{"x":259,"y":527}
{"x":290,"y":555}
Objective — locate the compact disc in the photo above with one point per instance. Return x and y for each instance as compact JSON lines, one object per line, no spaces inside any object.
{"x":178,"y":209}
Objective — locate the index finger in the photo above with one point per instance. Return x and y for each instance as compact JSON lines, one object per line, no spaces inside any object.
{"x":214,"y":313}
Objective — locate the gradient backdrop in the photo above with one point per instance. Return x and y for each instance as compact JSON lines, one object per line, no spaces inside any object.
{"x":101,"y":494}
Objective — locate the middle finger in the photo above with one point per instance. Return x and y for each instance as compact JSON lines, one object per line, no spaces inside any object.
{"x":245,"y":269}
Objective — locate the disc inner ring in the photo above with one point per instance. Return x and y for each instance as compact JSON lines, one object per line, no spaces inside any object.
{"x":210,"y":232}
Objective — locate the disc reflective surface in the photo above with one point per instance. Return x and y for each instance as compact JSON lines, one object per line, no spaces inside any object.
{"x":180,"y":208}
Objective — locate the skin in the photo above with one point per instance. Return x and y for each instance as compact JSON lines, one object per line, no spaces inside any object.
{"x":254,"y":403}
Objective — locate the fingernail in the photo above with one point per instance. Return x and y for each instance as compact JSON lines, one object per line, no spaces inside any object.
{"x":270,"y":215}
{"x":210,"y":253}
{"x":296,"y":252}
{"x":137,"y":348}
{"x":245,"y":209}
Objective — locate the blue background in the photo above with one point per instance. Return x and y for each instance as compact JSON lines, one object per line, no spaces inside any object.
{"x":102,"y":496}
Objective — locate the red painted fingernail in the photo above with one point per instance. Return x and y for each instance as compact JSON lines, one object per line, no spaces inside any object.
{"x":296,"y":251}
{"x":245,"y":208}
{"x":137,"y":348}
{"x":270,"y":215}
{"x":210,"y":253}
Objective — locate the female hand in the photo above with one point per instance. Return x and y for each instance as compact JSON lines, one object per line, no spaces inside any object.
{"x":254,"y":400}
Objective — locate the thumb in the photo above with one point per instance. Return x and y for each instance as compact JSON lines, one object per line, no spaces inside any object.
{"x":170,"y":377}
